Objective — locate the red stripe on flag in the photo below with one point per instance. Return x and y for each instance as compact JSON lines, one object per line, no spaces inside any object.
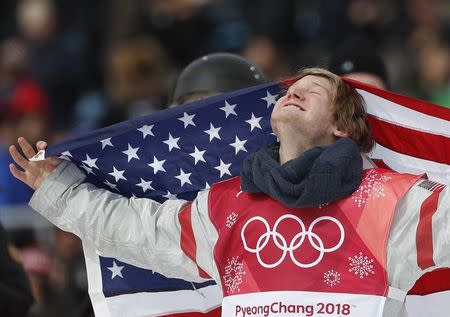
{"x":424,"y":234}
{"x":432,"y":282}
{"x":187,"y":240}
{"x":427,"y":146}
{"x":408,"y":102}
{"x":380,"y":163}
{"x":439,"y":187}
{"x":213,"y":313}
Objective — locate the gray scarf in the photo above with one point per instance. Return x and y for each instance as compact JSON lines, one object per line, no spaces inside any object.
{"x":320,"y":175}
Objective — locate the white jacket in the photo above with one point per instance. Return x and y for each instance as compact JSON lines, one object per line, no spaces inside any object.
{"x":145,"y":233}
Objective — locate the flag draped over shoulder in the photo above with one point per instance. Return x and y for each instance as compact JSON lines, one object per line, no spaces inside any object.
{"x":180,"y":151}
{"x":412,"y":136}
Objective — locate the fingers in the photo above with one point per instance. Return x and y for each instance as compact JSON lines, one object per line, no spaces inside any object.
{"x":17,"y":173}
{"x":27,"y":149}
{"x":18,"y":158}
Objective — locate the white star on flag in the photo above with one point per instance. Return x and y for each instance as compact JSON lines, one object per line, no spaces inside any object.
{"x":87,"y":169}
{"x":228,"y":109}
{"x":223,"y":168}
{"x":172,"y":142}
{"x":116,"y":270}
{"x":66,"y":154}
{"x":254,"y":122}
{"x":184,"y":177}
{"x":111,"y":185}
{"x":90,"y":161}
{"x":270,"y":99}
{"x":213,"y":132}
{"x":118,"y":175}
{"x":146,"y":130}
{"x":239,"y":145}
{"x":131,"y":153}
{"x":169,"y":195}
{"x":106,"y":142}
{"x":187,"y":119}
{"x":145,"y":185}
{"x":157,"y":165}
{"x":197,"y":155}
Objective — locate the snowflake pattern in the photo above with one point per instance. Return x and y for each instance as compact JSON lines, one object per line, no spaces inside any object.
{"x":361,"y":265}
{"x":231,"y":219}
{"x":371,"y":187}
{"x":332,"y":278}
{"x":233,"y":274}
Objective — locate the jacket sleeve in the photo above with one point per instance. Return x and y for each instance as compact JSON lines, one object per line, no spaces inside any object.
{"x":138,"y":231}
{"x":420,"y":235}
{"x":441,"y":229}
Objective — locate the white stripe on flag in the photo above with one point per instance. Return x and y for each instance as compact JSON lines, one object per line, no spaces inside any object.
{"x":408,"y":164}
{"x":94,"y":275}
{"x":162,"y":303}
{"x":403,"y":116}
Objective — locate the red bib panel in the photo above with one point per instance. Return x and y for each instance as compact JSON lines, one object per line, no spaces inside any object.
{"x":340,"y":247}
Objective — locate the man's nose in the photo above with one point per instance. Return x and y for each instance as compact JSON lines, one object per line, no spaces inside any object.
{"x":295,"y":94}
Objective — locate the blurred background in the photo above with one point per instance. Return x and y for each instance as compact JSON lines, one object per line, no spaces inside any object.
{"x":70,"y":66}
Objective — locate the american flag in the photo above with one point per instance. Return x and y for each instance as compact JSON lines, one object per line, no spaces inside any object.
{"x":180,"y":151}
{"x":171,"y":154}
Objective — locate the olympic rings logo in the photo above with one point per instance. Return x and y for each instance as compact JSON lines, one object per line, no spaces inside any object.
{"x":296,"y":242}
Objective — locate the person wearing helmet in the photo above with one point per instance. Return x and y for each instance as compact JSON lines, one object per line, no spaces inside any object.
{"x":213,"y":74}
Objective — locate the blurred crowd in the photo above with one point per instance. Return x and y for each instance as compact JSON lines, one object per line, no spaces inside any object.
{"x":69,"y":66}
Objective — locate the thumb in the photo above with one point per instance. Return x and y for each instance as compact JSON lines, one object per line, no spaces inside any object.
{"x":41,"y":145}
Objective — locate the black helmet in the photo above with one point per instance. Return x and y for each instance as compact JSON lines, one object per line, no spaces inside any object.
{"x":216,"y":73}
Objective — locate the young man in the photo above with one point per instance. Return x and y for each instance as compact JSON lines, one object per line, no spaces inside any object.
{"x":309,"y":229}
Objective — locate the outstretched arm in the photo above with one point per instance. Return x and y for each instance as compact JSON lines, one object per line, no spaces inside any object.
{"x":138,"y":231}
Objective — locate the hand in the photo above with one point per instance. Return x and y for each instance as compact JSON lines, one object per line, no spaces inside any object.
{"x":34,"y":173}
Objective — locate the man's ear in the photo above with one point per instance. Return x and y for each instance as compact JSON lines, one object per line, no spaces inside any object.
{"x":340,"y":134}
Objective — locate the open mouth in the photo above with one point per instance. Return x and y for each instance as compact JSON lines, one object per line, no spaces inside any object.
{"x":298,"y":107}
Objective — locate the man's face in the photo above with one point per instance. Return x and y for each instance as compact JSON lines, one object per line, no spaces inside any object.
{"x":305,"y":111}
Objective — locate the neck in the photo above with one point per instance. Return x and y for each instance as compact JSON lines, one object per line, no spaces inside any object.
{"x":291,"y":149}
